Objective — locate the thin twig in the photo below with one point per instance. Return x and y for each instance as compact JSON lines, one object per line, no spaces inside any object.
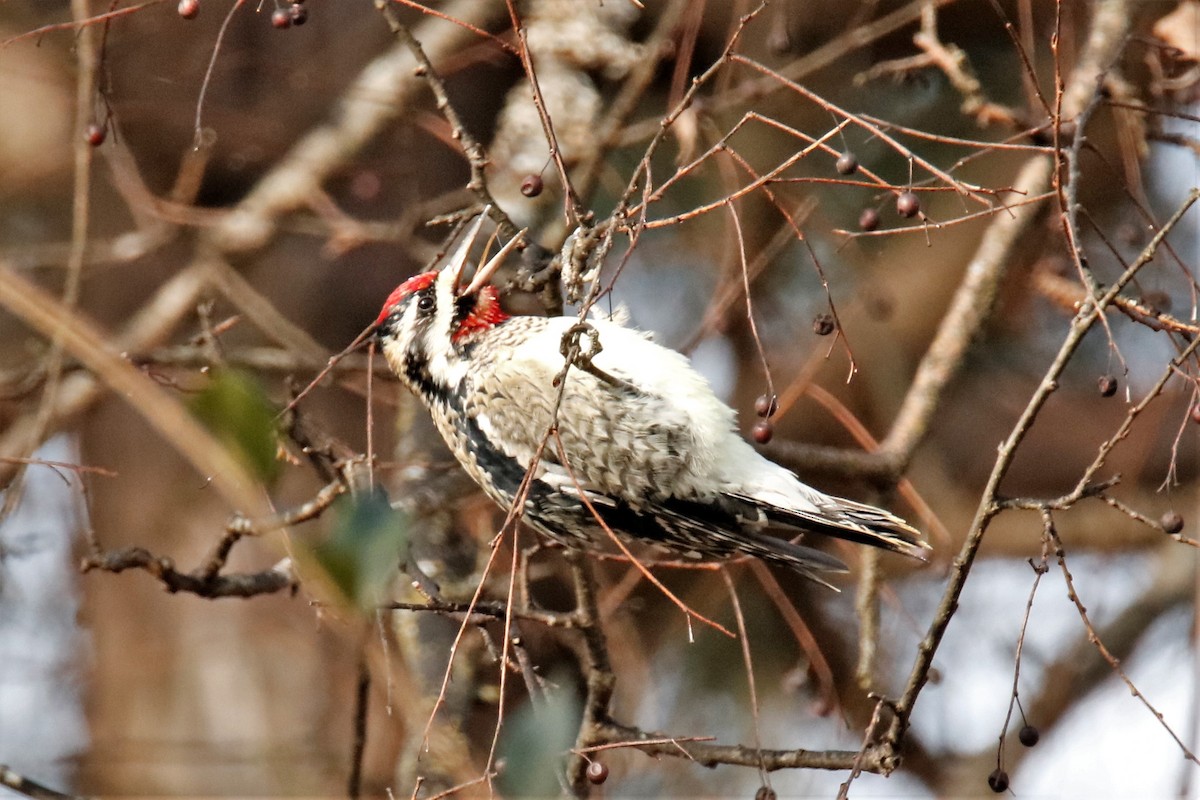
{"x":658,"y":744}
{"x":988,"y":506}
{"x":748,"y":663}
{"x":79,"y":24}
{"x":575,"y":211}
{"x":1096,"y":641}
{"x":362,"y":696}
{"x":281,"y":576}
{"x":1039,"y":569}
{"x":28,"y":787}
{"x":687,"y":610}
{"x":472,"y":149}
{"x":197,"y":126}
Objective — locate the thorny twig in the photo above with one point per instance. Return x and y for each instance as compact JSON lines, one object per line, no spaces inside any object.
{"x":969,"y":310}
{"x":794,"y":227}
{"x":914,"y":158}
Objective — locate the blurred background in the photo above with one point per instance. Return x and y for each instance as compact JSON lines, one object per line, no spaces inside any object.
{"x":223,"y":195}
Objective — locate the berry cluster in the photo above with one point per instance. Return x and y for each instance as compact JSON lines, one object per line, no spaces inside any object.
{"x":765,"y":407}
{"x":282,"y":17}
{"x":908,"y":205}
{"x":998,"y":780}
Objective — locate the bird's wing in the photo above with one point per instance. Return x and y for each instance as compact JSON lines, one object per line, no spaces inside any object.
{"x":621,"y":434}
{"x":696,"y":529}
{"x":645,"y":440}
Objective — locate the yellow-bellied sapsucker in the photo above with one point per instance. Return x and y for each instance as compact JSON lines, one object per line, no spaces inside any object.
{"x":637,"y":431}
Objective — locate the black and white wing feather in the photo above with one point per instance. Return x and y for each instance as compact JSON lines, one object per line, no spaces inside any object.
{"x":655,"y":452}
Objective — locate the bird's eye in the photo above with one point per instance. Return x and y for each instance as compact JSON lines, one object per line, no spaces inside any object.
{"x":425,"y":302}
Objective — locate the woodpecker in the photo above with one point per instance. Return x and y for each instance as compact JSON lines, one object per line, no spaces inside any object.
{"x":631,"y":427}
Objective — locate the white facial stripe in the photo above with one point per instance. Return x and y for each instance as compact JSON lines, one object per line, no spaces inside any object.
{"x":444,"y":365}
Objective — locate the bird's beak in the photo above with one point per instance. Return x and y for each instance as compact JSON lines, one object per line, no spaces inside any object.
{"x":452,"y":273}
{"x":485,"y":272}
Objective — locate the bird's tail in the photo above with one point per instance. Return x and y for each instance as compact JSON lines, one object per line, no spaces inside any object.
{"x":848,"y":520}
{"x":855,"y":522}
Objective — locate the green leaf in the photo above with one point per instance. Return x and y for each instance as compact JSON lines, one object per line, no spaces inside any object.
{"x":363,"y":552}
{"x":236,"y":409}
{"x":536,"y":740}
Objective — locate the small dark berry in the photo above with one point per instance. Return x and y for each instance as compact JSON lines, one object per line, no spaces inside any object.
{"x":281,"y":19}
{"x":846,"y":164}
{"x":188,"y":9}
{"x":597,"y":772}
{"x":1195,"y":412}
{"x":868,"y":220}
{"x":94,"y":134}
{"x":1029,"y":736}
{"x":765,"y":405}
{"x":532,"y":185}
{"x":1171,"y":522}
{"x":1107,"y":385}
{"x":998,"y":781}
{"x":762,"y":431}
{"x":298,"y":14}
{"x":823,"y":324}
{"x":907,"y":205}
{"x":765,"y":793}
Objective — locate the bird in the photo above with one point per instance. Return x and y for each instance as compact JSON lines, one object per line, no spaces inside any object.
{"x":598,"y":431}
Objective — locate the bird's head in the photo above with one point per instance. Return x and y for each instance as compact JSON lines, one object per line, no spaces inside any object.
{"x":428,"y":321}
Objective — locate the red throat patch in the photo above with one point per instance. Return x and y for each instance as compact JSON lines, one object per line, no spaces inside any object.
{"x":486,"y":314}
